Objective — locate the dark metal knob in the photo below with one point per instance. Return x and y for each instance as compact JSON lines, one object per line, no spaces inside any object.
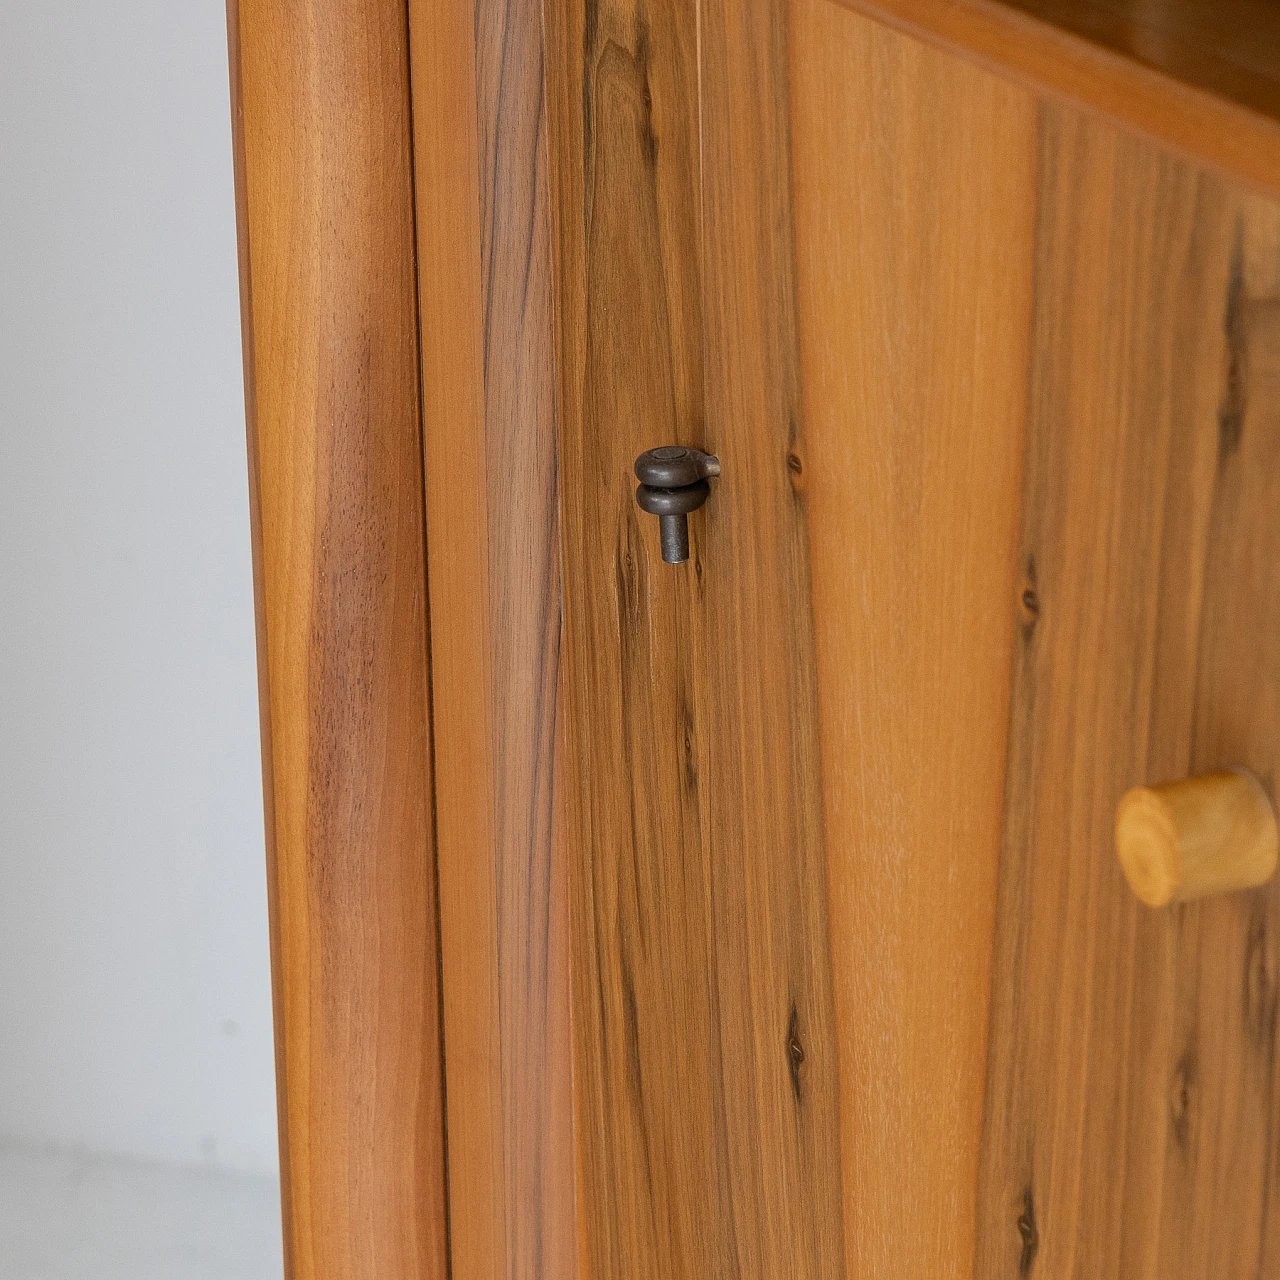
{"x":673,"y":482}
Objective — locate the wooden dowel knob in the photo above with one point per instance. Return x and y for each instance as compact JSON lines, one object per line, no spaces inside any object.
{"x":1188,"y":839}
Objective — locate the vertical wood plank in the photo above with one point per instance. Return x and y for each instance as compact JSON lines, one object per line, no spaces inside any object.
{"x":915,"y":212}
{"x":778,"y":1026}
{"x":260,"y":618}
{"x":525,"y":627}
{"x":446,"y":176}
{"x":705,"y":1063}
{"x":1130,"y":1107}
{"x":332,"y":370}
{"x":622,"y":102}
{"x":493,"y":553}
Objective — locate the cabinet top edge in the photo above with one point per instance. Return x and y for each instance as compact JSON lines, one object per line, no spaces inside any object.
{"x":1200,"y":76}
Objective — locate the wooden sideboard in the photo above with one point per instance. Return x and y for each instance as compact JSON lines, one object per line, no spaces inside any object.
{"x":758,"y":916}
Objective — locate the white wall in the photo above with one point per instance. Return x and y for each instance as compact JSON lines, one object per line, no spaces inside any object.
{"x":134,"y":991}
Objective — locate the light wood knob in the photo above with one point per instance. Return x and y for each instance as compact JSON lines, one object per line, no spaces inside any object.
{"x":1188,"y":839}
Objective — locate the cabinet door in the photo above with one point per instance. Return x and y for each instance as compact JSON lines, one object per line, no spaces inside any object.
{"x":1041,"y":388}
{"x":993,"y":383}
{"x":706,"y":1031}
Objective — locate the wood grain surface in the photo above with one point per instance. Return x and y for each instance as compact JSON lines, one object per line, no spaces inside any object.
{"x":321,"y":105}
{"x":1131,"y":1101}
{"x":494,"y":569}
{"x":780,"y":927}
{"x":1202,"y":76}
{"x":705,"y":1060}
{"x":762,"y":712}
{"x":1004,"y":646}
{"x":915,"y":189}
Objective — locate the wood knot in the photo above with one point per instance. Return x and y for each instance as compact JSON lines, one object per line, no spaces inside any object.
{"x":1182,"y":1099}
{"x":1029,"y":1234}
{"x":1235,"y":324}
{"x":690,"y":748}
{"x":795,"y":1051}
{"x":795,"y":473}
{"x":1259,"y":982}
{"x":1029,"y":599}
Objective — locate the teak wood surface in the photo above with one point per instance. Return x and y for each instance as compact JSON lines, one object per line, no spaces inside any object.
{"x":1132,"y":1090}
{"x":1060,"y":412}
{"x":914,"y":306}
{"x":494,"y":569}
{"x":705,"y":1065}
{"x":780,"y":931}
{"x":320,"y":104}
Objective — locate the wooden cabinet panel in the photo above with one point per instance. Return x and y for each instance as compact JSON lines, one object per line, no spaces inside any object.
{"x":493,"y":559}
{"x":705,"y":1063}
{"x":331,"y":371}
{"x":987,"y":277}
{"x":780,"y":930}
{"x":1133,"y":1080}
{"x":915,"y":181}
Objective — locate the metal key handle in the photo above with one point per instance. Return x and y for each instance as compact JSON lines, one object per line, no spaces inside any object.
{"x":673,"y":482}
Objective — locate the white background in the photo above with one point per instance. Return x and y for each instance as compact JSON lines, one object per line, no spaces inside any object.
{"x":134,"y":991}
